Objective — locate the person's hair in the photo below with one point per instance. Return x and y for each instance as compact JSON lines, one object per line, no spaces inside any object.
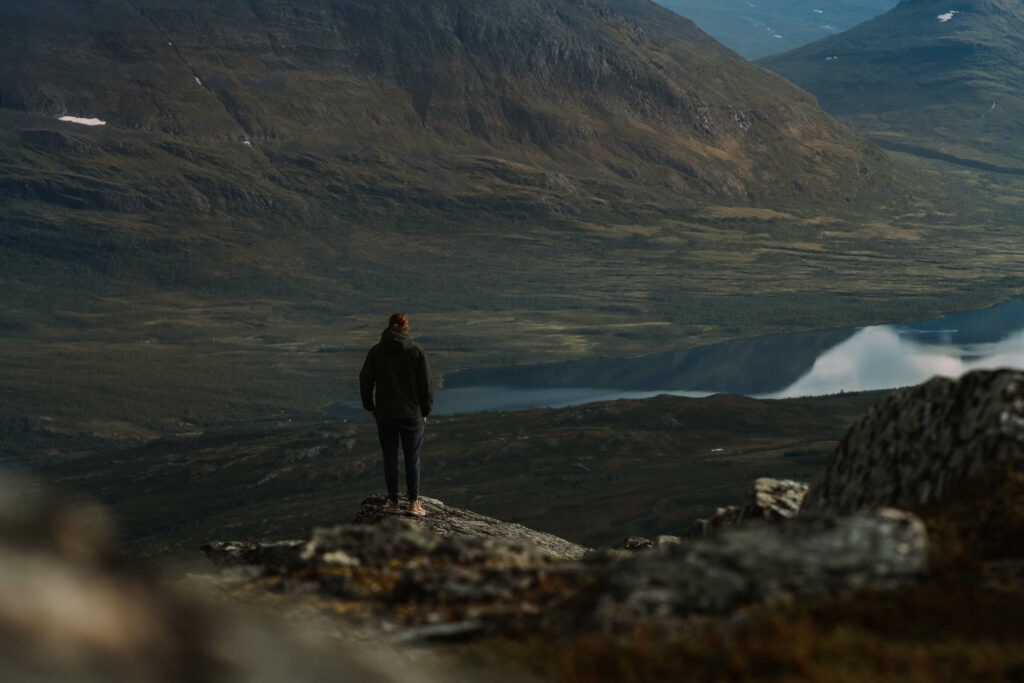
{"x":399,"y":321}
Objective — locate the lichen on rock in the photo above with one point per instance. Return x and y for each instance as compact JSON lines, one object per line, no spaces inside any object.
{"x":916,"y":446}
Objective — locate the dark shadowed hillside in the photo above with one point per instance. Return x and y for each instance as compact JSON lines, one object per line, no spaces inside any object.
{"x":593,"y":474}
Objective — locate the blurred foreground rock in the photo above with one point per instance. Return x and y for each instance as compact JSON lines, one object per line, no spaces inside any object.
{"x":67,"y":615}
{"x":915,"y":446}
{"x":62,"y":610}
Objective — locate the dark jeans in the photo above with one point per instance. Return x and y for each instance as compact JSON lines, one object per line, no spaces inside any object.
{"x":410,"y":433}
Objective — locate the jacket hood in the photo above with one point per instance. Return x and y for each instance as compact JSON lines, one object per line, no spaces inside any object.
{"x":392,"y":341}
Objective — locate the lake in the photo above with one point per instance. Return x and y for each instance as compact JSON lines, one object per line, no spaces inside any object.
{"x":774,"y":366}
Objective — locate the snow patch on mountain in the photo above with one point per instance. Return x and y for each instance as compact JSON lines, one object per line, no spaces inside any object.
{"x":82,"y":121}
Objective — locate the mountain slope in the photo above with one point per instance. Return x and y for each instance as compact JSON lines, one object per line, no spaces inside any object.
{"x":426,"y":99}
{"x":755,"y":28}
{"x":943,"y":78}
{"x":266,"y":146}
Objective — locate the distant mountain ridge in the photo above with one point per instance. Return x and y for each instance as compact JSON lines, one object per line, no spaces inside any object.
{"x":944,"y":79}
{"x":755,"y":28}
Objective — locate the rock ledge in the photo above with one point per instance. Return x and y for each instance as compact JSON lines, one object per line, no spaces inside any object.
{"x":445,"y":520}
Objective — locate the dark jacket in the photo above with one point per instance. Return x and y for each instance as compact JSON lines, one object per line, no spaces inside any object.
{"x":399,"y":370}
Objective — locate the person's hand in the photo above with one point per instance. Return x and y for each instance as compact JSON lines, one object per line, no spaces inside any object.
{"x":424,"y":419}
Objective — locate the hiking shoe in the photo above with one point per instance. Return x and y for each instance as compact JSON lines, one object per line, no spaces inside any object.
{"x":392,"y":506}
{"x":416,"y":508}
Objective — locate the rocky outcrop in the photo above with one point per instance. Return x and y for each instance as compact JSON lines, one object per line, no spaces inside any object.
{"x":766,"y":562}
{"x":438,"y":581}
{"x":445,"y":520}
{"x":362,"y":543}
{"x":458,"y":574}
{"x":400,"y":580}
{"x":770,"y":499}
{"x":915,"y":446}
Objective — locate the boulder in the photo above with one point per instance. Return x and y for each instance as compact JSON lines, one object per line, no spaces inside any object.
{"x":66,"y":613}
{"x":35,"y":518}
{"x":446,"y":520}
{"x":764,"y":562}
{"x":918,"y":444}
{"x":378,"y":536}
{"x":770,"y":499}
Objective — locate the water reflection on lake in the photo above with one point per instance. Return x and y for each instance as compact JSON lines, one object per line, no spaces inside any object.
{"x":776,"y":366}
{"x":885,"y":356}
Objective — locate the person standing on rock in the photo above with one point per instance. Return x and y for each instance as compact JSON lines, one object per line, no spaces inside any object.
{"x":399,"y":371}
